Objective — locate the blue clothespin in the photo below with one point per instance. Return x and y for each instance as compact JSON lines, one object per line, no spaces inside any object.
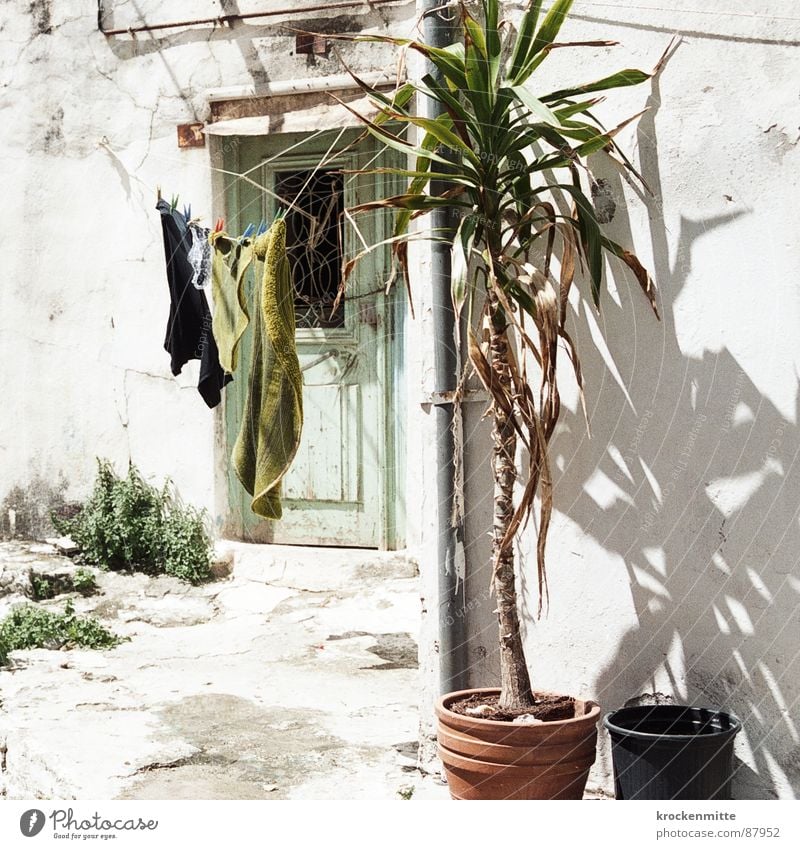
{"x":187,"y":212}
{"x":262,"y":227}
{"x":249,"y":230}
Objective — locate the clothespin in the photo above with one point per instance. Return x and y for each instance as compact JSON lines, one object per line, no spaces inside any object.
{"x":220,"y":225}
{"x":249,"y":230}
{"x":174,"y":202}
{"x":158,"y":193}
{"x":262,"y":227}
{"x":187,"y":212}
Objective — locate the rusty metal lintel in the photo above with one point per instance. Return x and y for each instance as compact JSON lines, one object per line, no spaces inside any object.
{"x":226,"y":20}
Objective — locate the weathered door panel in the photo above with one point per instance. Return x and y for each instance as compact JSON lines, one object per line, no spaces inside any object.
{"x":341,"y":487}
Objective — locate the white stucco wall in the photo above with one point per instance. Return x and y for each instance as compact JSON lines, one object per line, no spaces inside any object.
{"x":672,"y":554}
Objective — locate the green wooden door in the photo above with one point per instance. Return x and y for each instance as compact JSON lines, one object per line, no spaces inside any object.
{"x":342,"y":487}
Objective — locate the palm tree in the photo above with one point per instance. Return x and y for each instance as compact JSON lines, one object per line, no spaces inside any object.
{"x":514,"y":161}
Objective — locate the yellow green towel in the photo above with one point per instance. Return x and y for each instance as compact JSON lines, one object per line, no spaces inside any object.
{"x":228,"y":269}
{"x":273,"y":413}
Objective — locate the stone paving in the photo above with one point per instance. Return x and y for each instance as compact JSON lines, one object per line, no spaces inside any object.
{"x":292,"y":676}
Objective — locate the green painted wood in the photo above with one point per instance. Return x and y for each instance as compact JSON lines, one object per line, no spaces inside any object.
{"x":343,"y":486}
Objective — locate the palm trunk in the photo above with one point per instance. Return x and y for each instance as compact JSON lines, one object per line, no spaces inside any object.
{"x":515,"y":683}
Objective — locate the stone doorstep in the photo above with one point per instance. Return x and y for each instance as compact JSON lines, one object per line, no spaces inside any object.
{"x":315,"y":569}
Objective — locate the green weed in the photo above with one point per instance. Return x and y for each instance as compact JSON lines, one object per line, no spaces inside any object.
{"x":29,"y":626}
{"x":83,"y":581}
{"x":130,"y":524}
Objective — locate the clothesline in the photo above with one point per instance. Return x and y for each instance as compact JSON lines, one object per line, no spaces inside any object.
{"x":106,"y":145}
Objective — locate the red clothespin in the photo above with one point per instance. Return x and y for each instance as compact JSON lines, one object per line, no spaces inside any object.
{"x":220,"y":225}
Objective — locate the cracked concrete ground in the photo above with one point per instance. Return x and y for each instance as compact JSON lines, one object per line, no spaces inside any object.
{"x":294,"y":677}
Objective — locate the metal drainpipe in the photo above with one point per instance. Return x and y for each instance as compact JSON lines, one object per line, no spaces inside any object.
{"x":439,"y":31}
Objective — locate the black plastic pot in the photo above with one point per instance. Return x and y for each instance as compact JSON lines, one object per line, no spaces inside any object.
{"x":672,"y":752}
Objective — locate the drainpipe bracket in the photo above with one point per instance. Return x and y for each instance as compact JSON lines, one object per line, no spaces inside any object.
{"x":442,"y":399}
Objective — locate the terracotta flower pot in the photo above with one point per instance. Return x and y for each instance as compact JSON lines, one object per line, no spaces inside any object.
{"x":489,"y":759}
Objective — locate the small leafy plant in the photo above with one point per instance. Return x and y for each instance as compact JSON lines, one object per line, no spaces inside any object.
{"x":83,"y":581}
{"x":43,"y":588}
{"x":130,"y":524}
{"x":30,"y":627}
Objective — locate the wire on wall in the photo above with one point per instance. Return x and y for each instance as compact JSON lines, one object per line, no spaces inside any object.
{"x":716,"y":13}
{"x":226,"y":19}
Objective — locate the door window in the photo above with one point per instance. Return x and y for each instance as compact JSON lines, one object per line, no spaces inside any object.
{"x":314,"y":201}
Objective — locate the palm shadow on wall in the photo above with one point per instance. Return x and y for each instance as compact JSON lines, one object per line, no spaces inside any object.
{"x":690,"y":480}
